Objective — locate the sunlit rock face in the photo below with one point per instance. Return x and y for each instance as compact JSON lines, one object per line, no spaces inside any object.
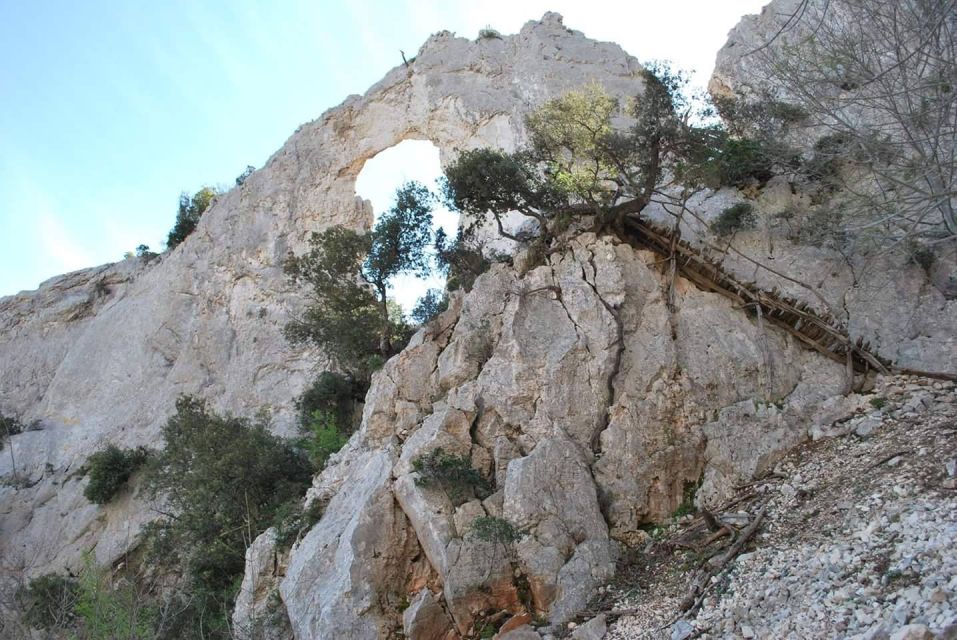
{"x":903,"y":309}
{"x":593,"y":391}
{"x":590,"y":405}
{"x":100,"y":355}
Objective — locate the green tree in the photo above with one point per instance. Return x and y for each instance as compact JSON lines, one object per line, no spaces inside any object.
{"x":221,"y":479}
{"x":583,"y":160}
{"x":429,"y":306}
{"x":348,"y":275}
{"x":191,"y":208}
{"x":109,"y":470}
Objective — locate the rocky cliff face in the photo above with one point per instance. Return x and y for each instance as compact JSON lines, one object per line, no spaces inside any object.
{"x":901,"y":308}
{"x":592,"y":393}
{"x":591,"y":405}
{"x":100,"y":355}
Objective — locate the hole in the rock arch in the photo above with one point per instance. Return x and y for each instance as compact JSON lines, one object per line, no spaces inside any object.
{"x":380,"y":176}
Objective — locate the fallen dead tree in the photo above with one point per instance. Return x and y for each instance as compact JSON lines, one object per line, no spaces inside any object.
{"x":816,"y":329}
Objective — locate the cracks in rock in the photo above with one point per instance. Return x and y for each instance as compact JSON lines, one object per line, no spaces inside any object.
{"x":557,"y":290}
{"x":619,"y":353}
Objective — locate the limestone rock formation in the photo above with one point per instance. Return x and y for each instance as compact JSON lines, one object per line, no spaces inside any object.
{"x":901,"y":308}
{"x":578,"y":473}
{"x":592,"y":392}
{"x":100,"y":355}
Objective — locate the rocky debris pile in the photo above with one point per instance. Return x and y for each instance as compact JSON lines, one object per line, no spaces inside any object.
{"x":859,"y":538}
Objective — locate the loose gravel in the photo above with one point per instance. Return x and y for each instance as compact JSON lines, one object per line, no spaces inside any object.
{"x":859,"y":539}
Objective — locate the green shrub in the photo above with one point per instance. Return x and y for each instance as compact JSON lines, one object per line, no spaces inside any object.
{"x":9,"y":426}
{"x":49,"y":601}
{"x":687,"y":506}
{"x":224,"y":479}
{"x":241,"y":178}
{"x":878,"y":402}
{"x":191,"y":208}
{"x":143,"y":252}
{"x":331,"y":393}
{"x":488,"y":33}
{"x":497,"y":530}
{"x":109,"y":470}
{"x":741,"y":162}
{"x":108,"y":609}
{"x":324,"y":438}
{"x":735,"y":218}
{"x":430,"y":306}
{"x":453,"y":474}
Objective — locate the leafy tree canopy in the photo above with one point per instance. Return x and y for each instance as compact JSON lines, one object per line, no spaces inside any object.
{"x":222,"y":480}
{"x":589,"y":153}
{"x":348,"y":275}
{"x":191,"y":208}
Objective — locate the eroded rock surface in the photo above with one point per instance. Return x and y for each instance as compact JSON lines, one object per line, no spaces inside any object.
{"x":651,"y":418}
{"x":99,"y":356}
{"x":592,"y":392}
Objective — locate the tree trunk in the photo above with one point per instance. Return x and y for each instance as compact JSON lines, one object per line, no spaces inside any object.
{"x":385,"y":344}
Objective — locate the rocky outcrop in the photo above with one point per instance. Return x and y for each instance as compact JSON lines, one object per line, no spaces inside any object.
{"x":590,"y":406}
{"x":592,"y":392}
{"x":858,"y":537}
{"x":902,"y":308}
{"x":258,"y":613}
{"x":100,"y":356}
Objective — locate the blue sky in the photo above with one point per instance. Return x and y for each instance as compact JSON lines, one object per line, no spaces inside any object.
{"x":109,"y":109}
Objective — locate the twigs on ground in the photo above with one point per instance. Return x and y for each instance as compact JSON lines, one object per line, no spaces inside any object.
{"x":700,"y":587}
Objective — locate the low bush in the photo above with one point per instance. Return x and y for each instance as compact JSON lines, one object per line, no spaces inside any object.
{"x":143,"y":252}
{"x":742,"y":162}
{"x":108,"y":609}
{"x":453,"y":474}
{"x":324,"y":438}
{"x":9,"y":426}
{"x":496,"y":530}
{"x":334,"y":394}
{"x":735,"y":218}
{"x":49,"y":601}
{"x":109,"y":470}
{"x":687,"y":506}
{"x":488,"y":33}
{"x":241,"y":178}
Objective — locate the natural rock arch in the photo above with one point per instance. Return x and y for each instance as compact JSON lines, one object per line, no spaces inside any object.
{"x":207,"y":317}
